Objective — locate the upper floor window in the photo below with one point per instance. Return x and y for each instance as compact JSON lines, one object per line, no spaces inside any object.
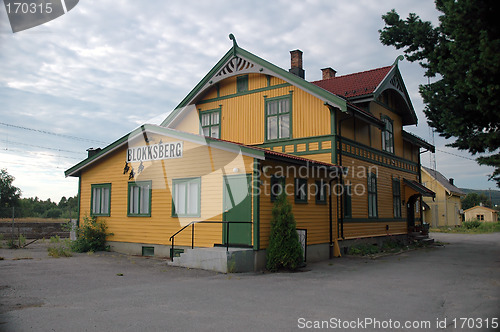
{"x":388,"y":135}
{"x":100,"y":200}
{"x":242,"y":83}
{"x":210,"y":123}
{"x":278,"y":118}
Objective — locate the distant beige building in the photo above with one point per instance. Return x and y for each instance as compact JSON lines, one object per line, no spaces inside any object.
{"x":445,"y":209}
{"x":481,"y":213}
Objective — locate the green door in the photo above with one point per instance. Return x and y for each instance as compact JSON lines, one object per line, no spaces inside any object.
{"x":237,"y":207}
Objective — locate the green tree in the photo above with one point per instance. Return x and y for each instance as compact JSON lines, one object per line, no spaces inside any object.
{"x":473,"y":199}
{"x":284,"y":249}
{"x":9,"y":194}
{"x":463,"y":51}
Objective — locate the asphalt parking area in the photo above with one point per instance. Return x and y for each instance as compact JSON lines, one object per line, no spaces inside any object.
{"x":114,"y":292}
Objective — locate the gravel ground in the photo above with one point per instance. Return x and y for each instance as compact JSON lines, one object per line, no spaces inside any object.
{"x":114,"y":292}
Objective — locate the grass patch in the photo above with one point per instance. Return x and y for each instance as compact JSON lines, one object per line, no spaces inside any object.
{"x":388,"y":246}
{"x":59,"y":251}
{"x":470,"y":227}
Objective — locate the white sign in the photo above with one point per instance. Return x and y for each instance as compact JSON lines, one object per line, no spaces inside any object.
{"x":161,"y":151}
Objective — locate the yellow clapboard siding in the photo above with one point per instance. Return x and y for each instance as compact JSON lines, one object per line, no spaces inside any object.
{"x":358,"y":230}
{"x":311,"y":216}
{"x":241,"y":123}
{"x":197,"y":160}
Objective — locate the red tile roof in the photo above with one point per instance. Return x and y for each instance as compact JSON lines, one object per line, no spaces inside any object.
{"x":354,"y":85}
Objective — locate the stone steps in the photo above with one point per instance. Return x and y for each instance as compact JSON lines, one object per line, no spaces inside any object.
{"x":216,"y":259}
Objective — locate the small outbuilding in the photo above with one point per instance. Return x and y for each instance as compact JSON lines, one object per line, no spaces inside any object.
{"x":481,"y":213}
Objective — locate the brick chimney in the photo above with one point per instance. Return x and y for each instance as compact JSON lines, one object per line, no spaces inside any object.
{"x":451,"y":181}
{"x":92,"y":152}
{"x":328,"y":73}
{"x":296,"y":63}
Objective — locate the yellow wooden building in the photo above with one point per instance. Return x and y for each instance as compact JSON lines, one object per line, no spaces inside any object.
{"x":445,"y":209}
{"x":481,"y":213}
{"x":246,"y":131}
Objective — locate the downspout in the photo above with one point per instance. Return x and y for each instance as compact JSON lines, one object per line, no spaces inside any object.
{"x":341,"y":180}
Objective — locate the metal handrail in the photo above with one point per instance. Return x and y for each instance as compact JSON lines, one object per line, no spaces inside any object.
{"x":192,"y":223}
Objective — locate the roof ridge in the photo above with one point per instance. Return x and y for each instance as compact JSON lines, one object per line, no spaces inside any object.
{"x":352,"y":74}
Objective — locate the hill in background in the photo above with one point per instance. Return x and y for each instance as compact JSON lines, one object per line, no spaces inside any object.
{"x":494,"y":195}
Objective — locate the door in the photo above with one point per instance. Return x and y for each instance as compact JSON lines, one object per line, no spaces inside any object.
{"x":237,"y":206}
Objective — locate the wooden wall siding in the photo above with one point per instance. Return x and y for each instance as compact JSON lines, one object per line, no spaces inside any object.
{"x":190,"y":122}
{"x":243,"y":115}
{"x":161,"y":225}
{"x":315,"y":148}
{"x":381,"y":158}
{"x":311,"y":216}
{"x":358,"y":230}
{"x":356,"y":177}
{"x":378,"y":111}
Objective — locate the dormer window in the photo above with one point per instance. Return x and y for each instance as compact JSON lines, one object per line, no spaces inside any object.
{"x":388,"y":135}
{"x":278,"y":118}
{"x":210,"y":123}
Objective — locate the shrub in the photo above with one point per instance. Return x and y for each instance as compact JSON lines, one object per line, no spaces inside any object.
{"x":285,"y":251}
{"x":59,"y":251}
{"x":471,"y":224}
{"x":363,"y":249}
{"x":91,"y":236}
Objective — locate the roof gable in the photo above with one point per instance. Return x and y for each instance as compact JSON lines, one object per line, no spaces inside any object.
{"x":443,"y":181}
{"x":251,"y":151}
{"x":238,"y":61}
{"x":478,"y":207}
{"x":368,"y":85}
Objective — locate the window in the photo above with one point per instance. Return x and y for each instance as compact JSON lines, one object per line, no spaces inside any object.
{"x":300,"y":190}
{"x":186,"y":197}
{"x":277,"y":186}
{"x":388,"y":135}
{"x":396,"y":197}
{"x":347,"y":201}
{"x":278,"y":119}
{"x":480,"y":217}
{"x":242,"y":83}
{"x":100,"y":199}
{"x":139,"y":198}
{"x":320,"y":192}
{"x":210,"y":123}
{"x":372,"y":196}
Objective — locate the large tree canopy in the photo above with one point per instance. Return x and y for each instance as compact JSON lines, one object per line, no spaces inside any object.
{"x":463,"y":52}
{"x":9,"y":194}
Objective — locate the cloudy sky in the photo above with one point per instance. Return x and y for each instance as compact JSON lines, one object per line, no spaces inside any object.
{"x":92,"y":75}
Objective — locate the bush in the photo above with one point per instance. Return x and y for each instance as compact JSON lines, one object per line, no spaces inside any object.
{"x":363,"y":249}
{"x":91,"y":236}
{"x":59,"y":251}
{"x":285,"y":251}
{"x":471,"y":224}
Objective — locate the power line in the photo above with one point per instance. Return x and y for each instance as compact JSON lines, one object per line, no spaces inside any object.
{"x":40,"y":153}
{"x":52,"y":133}
{"x":25,"y":164}
{"x":41,"y":147}
{"x":456,"y":155}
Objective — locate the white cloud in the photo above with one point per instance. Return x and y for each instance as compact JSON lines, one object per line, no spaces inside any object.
{"x":107,"y":66}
